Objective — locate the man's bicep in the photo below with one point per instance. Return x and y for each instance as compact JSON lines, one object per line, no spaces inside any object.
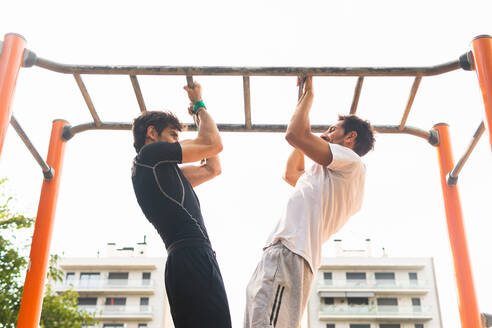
{"x":316,"y":149}
{"x":193,"y":151}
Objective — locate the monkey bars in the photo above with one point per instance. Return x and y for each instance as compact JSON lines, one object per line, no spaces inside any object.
{"x":14,"y":55}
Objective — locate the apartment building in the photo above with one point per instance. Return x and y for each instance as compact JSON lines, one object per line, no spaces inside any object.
{"x":357,"y":290}
{"x":124,"y":287}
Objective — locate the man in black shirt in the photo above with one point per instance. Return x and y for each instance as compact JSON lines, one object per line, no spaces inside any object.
{"x":165,"y":193}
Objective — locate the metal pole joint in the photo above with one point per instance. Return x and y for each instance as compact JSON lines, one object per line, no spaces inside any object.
{"x":29,"y":58}
{"x":434,"y":137}
{"x":466,"y":61}
{"x":48,"y":175}
{"x":67,"y":133}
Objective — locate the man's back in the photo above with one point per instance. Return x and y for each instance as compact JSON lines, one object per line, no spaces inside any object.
{"x":165,"y":195}
{"x":324,"y":198}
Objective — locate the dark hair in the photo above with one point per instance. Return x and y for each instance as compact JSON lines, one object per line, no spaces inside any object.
{"x":365,"y":134}
{"x":159,"y":119}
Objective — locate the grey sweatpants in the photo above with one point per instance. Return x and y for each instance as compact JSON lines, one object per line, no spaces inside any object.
{"x":278,"y":291}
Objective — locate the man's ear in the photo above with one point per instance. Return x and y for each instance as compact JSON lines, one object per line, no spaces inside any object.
{"x":151,"y":133}
{"x":351,"y":137}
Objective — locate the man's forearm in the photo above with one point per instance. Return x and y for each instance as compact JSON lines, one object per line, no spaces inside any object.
{"x":207,"y":130}
{"x":299,"y":123}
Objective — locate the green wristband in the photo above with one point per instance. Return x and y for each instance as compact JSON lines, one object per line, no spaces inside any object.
{"x":197,"y":105}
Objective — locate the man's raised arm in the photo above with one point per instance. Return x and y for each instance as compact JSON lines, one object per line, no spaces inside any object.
{"x":299,"y":133}
{"x":207,"y":143}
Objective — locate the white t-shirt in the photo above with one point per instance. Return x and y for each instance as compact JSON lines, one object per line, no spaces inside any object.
{"x":324,"y":198}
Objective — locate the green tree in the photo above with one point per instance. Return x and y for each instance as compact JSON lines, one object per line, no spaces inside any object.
{"x":59,"y":310}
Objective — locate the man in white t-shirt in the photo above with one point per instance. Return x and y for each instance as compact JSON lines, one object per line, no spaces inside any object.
{"x":325,"y":197}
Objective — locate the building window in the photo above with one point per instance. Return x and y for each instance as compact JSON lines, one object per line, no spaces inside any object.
{"x":145,"y":278}
{"x":356,"y":278}
{"x":330,"y":325}
{"x":385,"y":278}
{"x":416,"y":305}
{"x":327,"y":278}
{"x":87,"y":301}
{"x":412,"y":276}
{"x":360,"y":325}
{"x":419,"y":325}
{"x":328,"y":300}
{"x":115,"y":301}
{"x":113,"y":325}
{"x":70,"y":276}
{"x":142,"y":325}
{"x":358,"y":301}
{"x":88,"y":279}
{"x":118,"y":278}
{"x":387,"y":304}
{"x":390,"y":325}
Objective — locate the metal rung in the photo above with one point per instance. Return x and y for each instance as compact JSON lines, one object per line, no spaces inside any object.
{"x":87,"y":98}
{"x":355,"y":99}
{"x":411,"y":98}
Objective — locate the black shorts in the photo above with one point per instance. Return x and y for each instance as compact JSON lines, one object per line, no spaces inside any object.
{"x":195,"y":288}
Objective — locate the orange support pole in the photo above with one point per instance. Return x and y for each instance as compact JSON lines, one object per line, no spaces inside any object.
{"x":32,"y":296}
{"x":10,"y":64}
{"x":468,"y":305}
{"x":482,"y":57}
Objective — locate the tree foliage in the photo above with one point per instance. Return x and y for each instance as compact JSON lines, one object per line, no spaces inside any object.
{"x":59,"y":309}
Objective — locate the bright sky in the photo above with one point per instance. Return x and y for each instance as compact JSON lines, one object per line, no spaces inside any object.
{"x":403,"y":210}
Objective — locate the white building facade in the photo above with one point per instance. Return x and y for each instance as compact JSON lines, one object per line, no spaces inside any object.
{"x":124,"y":288}
{"x":374,"y":292}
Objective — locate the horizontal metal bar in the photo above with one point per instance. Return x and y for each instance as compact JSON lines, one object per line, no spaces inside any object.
{"x":453,"y":176}
{"x":47,"y":170}
{"x":250,"y":71}
{"x":394,"y":129}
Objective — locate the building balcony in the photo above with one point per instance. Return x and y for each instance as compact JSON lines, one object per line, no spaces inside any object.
{"x":115,"y":286}
{"x":379,"y":312}
{"x":380,"y":286}
{"x":119,"y":312}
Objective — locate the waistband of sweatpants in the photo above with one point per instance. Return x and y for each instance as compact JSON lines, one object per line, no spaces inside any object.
{"x":189,"y":242}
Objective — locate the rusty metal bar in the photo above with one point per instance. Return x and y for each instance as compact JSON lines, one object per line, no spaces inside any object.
{"x":87,"y":99}
{"x":386,"y":129}
{"x":47,"y":170}
{"x":355,"y":100}
{"x":249,"y":71}
{"x":453,"y":176}
{"x":411,"y":98}
{"x":138,"y":93}
{"x":247,"y":102}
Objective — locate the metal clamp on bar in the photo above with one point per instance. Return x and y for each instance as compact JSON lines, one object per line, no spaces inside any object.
{"x":487,"y":319}
{"x":67,"y":133}
{"x":453,"y":175}
{"x":29,"y":58}
{"x":433,"y":137}
{"x":47,"y":170}
{"x":466,"y":61}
